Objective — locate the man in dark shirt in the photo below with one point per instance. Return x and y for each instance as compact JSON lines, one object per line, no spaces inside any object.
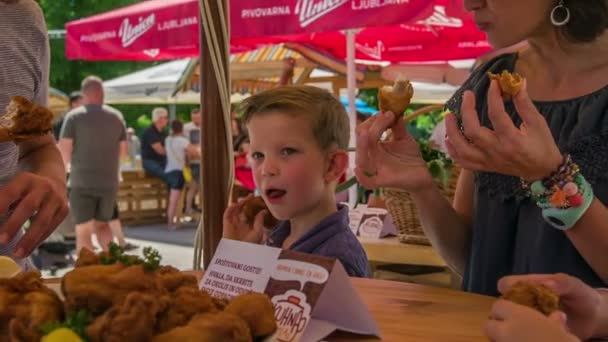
{"x":153,"y":154}
{"x":75,"y":102}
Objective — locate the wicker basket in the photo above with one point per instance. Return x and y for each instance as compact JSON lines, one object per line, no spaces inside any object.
{"x":404,"y":213}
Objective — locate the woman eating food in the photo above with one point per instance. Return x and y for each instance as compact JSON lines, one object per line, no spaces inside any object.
{"x":531,"y":197}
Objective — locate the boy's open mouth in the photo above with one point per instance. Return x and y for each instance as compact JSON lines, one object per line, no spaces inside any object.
{"x":275,"y":193}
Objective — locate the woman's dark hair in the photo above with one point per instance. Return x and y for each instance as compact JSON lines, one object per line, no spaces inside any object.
{"x":177,"y":127}
{"x":588,"y":20}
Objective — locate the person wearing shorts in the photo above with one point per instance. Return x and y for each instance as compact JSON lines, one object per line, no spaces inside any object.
{"x":93,"y":163}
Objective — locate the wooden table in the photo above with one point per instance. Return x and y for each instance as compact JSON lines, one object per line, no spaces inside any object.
{"x":390,"y":250}
{"x":409,"y":312}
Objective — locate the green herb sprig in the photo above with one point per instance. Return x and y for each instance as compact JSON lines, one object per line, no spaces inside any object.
{"x":116,"y":254}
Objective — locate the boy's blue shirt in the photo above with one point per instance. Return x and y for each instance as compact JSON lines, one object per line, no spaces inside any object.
{"x":331,"y":237}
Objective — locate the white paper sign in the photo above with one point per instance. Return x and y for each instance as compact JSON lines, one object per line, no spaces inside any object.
{"x":312,"y":295}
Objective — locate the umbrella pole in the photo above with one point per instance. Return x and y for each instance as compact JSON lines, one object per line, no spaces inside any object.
{"x":216,"y":141}
{"x":351,"y":83}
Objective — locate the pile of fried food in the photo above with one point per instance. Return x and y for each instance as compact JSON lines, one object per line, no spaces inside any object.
{"x":24,"y":120}
{"x":116,"y":297}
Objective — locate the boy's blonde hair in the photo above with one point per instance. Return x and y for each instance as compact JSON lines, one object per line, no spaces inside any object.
{"x":326,"y":114}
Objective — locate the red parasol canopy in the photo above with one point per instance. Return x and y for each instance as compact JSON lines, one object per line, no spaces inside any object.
{"x":414,"y":30}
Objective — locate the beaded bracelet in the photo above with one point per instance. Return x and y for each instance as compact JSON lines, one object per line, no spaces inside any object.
{"x":564,"y":196}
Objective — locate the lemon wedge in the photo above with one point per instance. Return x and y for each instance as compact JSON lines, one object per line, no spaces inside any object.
{"x":8,"y":267}
{"x":62,"y":335}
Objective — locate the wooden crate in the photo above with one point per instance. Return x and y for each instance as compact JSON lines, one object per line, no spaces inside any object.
{"x":142,"y":199}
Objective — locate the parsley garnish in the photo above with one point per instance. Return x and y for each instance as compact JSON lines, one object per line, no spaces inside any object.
{"x":150,"y":262}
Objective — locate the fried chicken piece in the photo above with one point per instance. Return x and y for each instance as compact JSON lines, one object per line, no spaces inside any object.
{"x":538,"y":297}
{"x":253,"y":206}
{"x":185,"y":303}
{"x":131,"y":320}
{"x":26,"y":304}
{"x":86,"y":257}
{"x":96,"y":288}
{"x":510,"y":83}
{"x":220,"y":303}
{"x":172,"y":278}
{"x":257,"y":310}
{"x":209,"y":327}
{"x":24,"y":120}
{"x":396,"y":98}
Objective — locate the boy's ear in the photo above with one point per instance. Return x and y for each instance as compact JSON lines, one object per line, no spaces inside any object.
{"x":338,"y":163}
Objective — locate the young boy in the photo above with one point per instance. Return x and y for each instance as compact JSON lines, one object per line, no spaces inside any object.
{"x":298,"y":141}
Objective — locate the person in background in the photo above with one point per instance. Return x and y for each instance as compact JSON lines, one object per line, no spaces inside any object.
{"x":192,"y":132}
{"x":74,"y":102}
{"x":153,"y":154}
{"x":93,"y":162}
{"x":31,"y":171}
{"x":133,"y":146}
{"x":178,"y":148}
{"x":583,"y":315}
{"x":115,"y":226}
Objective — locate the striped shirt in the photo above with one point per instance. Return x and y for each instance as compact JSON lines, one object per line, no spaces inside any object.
{"x":24,"y":68}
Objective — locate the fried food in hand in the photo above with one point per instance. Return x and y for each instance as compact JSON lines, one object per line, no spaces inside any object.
{"x":257,"y":310}
{"x":131,"y":320}
{"x":185,"y":303}
{"x":510,"y":83}
{"x":396,"y":98}
{"x":538,"y":297}
{"x":26,"y":304}
{"x":96,"y":288}
{"x":24,"y":120}
{"x":218,"y":327}
{"x":253,"y":206}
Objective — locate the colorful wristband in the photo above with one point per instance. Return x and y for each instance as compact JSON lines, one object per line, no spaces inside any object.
{"x":562,"y":207}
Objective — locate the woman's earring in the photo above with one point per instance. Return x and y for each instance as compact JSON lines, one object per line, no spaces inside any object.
{"x":560,"y":14}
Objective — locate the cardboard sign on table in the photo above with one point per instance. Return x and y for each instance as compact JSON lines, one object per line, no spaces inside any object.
{"x":312,"y":295}
{"x":371,"y":222}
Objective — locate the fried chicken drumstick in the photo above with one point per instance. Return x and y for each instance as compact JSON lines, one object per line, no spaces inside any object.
{"x":396,"y":98}
{"x":24,"y":120}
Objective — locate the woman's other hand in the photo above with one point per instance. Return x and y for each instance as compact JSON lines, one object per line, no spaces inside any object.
{"x":510,"y":322}
{"x":580,"y":303}
{"x":393,"y":163}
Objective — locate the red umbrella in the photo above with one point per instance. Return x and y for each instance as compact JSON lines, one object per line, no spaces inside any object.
{"x":423,"y":30}
{"x":149,"y":30}
{"x":168,"y":29}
